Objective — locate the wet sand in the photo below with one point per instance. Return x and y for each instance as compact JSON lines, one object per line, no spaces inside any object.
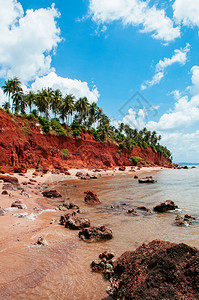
{"x":61,"y":270}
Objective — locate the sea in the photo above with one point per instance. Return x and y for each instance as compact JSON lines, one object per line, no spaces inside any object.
{"x":118,"y":194}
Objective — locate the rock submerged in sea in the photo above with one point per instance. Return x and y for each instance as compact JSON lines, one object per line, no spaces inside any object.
{"x":91,"y":198}
{"x":158,"y":270}
{"x":187,"y":219}
{"x":148,"y":179}
{"x":132,"y":211}
{"x":165,"y":206}
{"x":96,"y":234}
{"x":179,"y":220}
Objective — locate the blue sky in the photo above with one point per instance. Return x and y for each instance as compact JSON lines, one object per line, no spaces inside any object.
{"x":109,"y":50}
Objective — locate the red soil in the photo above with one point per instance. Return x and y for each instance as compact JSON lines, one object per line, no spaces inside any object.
{"x":23,"y":144}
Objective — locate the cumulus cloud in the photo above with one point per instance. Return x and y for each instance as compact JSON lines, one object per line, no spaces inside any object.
{"x":27,"y":40}
{"x":178,"y":143}
{"x":66,"y":86}
{"x":135,"y":120}
{"x":186,"y":12}
{"x":180,"y":56}
{"x":136,"y":13}
{"x":194,"y":89}
{"x":184,"y":114}
{"x":3,"y":97}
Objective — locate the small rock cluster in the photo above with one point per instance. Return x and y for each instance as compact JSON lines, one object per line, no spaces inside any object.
{"x":104,"y":264}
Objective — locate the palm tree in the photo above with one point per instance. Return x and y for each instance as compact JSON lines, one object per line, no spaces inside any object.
{"x":56,"y":101}
{"x":67,"y":107}
{"x":121,"y":127}
{"x":82,"y":107}
{"x":30,"y":99}
{"x":92,"y":114}
{"x":15,"y":85}
{"x":7,"y":89}
{"x":127,"y":130}
{"x":154,"y":137}
{"x":18,"y":102}
{"x":43,"y":101}
{"x":6,"y":105}
{"x":99,"y":113}
{"x":147,"y":137}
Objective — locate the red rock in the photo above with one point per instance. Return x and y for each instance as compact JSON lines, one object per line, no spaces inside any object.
{"x":123,"y":168}
{"x":95,"y":234}
{"x":7,"y":178}
{"x":77,"y":223}
{"x":158,"y":270}
{"x":132,"y":211}
{"x":67,"y":173}
{"x":20,"y":170}
{"x":51,"y":194}
{"x":19,"y":204}
{"x":165,"y":206}
{"x":4,"y":193}
{"x":148,"y":179}
{"x":91,"y":198}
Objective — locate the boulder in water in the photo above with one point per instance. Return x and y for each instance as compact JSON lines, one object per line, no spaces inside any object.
{"x":165,"y":206}
{"x":95,"y":234}
{"x":91,"y":198}
{"x":148,"y":179}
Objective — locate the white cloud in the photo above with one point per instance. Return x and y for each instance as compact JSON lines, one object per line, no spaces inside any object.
{"x":194,"y":89}
{"x":66,"y":86}
{"x":27,"y":40}
{"x":184,"y":115}
{"x":135,"y":13}
{"x":176,"y":94}
{"x":184,"y":146}
{"x":180,"y":56}
{"x":186,"y":12}
{"x":3,"y":97}
{"x":135,"y":120}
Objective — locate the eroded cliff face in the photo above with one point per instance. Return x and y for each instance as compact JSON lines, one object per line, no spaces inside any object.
{"x":22,"y":143}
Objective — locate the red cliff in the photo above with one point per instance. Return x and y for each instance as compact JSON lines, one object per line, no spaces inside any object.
{"x":23,"y":144}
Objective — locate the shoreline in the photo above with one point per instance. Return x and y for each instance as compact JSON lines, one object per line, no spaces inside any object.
{"x":19,"y":235}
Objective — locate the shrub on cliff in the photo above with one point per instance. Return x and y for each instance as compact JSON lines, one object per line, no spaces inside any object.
{"x":57,"y":127}
{"x":45,"y":124}
{"x":135,"y":160}
{"x":95,"y":134}
{"x":64,"y":153}
{"x":76,"y":127}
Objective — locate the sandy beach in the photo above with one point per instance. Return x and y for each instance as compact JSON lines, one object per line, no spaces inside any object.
{"x":21,"y":258}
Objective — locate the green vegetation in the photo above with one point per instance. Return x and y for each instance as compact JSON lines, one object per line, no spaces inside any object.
{"x":57,"y":127}
{"x":66,"y":115}
{"x":38,"y":163}
{"x":64,"y":153}
{"x":45,"y":124}
{"x":135,"y":160}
